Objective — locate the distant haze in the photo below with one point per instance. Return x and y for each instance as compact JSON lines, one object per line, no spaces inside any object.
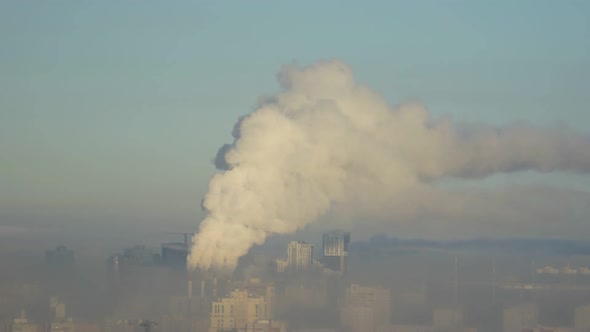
{"x":325,"y":141}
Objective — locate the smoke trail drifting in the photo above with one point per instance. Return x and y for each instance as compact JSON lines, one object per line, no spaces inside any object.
{"x":324,"y":138}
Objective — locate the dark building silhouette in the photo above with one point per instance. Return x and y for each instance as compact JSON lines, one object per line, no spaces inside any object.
{"x":61,"y":256}
{"x":174,"y":254}
{"x":335,"y":250}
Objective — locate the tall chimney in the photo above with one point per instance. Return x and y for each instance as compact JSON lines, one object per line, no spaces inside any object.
{"x":202,"y":288}
{"x":214,"y":288}
{"x":190,"y":288}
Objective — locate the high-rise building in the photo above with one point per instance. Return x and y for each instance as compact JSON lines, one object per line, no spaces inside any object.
{"x":299,"y":255}
{"x":335,"y":250}
{"x":239,"y":310}
{"x":365,"y":309}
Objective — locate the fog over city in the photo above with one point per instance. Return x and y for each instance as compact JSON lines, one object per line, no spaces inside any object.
{"x":295,"y":167}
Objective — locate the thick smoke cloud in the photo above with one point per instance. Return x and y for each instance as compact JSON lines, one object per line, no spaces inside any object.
{"x":326,"y":140}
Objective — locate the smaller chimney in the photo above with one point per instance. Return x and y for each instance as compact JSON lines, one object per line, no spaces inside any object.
{"x":214,"y":288}
{"x":190,"y":288}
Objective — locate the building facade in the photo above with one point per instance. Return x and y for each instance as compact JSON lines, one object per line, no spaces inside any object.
{"x":299,"y":256}
{"x":365,"y":309}
{"x":335,"y":250}
{"x":240,"y":310}
{"x":175,"y":254}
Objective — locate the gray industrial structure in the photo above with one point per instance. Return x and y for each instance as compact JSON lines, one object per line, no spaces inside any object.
{"x":175,"y":254}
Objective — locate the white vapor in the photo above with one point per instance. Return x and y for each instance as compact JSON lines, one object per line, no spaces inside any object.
{"x":326,"y":140}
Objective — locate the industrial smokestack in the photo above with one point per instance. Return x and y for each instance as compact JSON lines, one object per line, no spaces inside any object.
{"x":325,"y":141}
{"x":190,"y":288}
{"x":214,"y":288}
{"x":203,"y":288}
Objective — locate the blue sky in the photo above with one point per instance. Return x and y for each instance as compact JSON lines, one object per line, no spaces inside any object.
{"x":111,"y":111}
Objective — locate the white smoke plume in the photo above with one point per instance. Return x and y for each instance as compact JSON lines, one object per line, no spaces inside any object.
{"x":325,"y":140}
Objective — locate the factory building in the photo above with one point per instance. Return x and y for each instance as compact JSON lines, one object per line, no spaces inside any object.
{"x":131,"y":259}
{"x":175,"y":254}
{"x":299,"y":256}
{"x":140,"y":255}
{"x":335,"y":250}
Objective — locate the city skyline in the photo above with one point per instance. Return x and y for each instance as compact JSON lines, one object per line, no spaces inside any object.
{"x":295,"y":166}
{"x":360,"y":301}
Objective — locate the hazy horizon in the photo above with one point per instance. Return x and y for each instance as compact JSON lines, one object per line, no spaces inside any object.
{"x":111,"y":113}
